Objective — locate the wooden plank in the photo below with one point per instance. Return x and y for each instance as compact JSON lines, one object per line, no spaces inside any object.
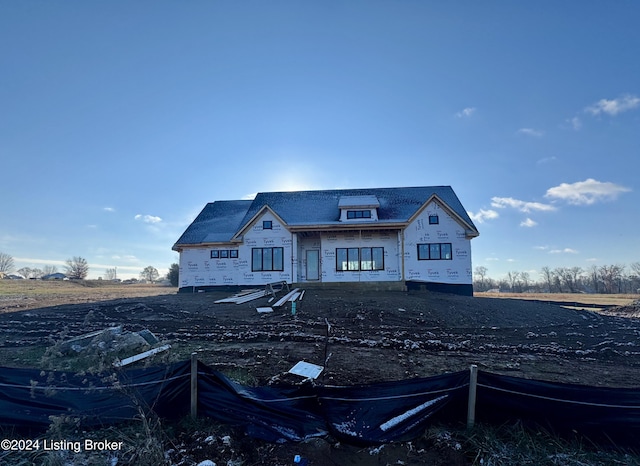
{"x":138,"y":357}
{"x":301,"y":295}
{"x":294,"y":296}
{"x":285,"y":298}
{"x":250,"y":297}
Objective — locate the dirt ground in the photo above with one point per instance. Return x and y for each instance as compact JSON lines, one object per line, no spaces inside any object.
{"x":358,"y":336}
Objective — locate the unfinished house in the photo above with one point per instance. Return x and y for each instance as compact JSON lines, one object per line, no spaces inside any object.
{"x":400,"y":238}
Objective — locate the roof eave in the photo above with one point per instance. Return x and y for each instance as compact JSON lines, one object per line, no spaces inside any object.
{"x":349,"y":226}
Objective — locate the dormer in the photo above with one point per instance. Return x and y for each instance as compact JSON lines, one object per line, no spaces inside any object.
{"x":358,"y":208}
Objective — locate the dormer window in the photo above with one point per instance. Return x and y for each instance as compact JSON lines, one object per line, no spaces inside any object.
{"x":358,"y":208}
{"x":358,"y":214}
{"x":433,"y":220}
{"x":267,"y":225}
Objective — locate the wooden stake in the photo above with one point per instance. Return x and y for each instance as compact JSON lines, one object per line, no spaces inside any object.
{"x":473,"y":385}
{"x":194,"y":385}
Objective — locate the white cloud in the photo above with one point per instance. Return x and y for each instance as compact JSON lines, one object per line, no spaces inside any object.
{"x":546,"y":160}
{"x":249,"y":197}
{"x":125,"y":258}
{"x":530,"y":132}
{"x":522,"y":206}
{"x":528,"y":223}
{"x":148,"y":218}
{"x":575,"y":123}
{"x":541,"y":248}
{"x":483,"y":215}
{"x":563,"y":251}
{"x":466,"y":112}
{"x":492,"y":259}
{"x":109,"y":209}
{"x":586,"y":192}
{"x":615,"y":106}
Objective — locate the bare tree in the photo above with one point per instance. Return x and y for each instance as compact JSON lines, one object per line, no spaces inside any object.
{"x":481,"y":273}
{"x":49,"y":269}
{"x":525,"y":280}
{"x":611,"y":275}
{"x":150,"y":274}
{"x":110,"y":274}
{"x":556,"y":276}
{"x":547,"y":274}
{"x":514,"y":279}
{"x":77,"y":268}
{"x":36,"y":273}
{"x":6,"y":263}
{"x":25,"y":272}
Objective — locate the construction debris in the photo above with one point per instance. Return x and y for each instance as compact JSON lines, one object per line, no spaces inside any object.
{"x":243,"y":297}
{"x":287,"y":297}
{"x":138,"y":357}
{"x":306,"y":370}
{"x":264,"y":309}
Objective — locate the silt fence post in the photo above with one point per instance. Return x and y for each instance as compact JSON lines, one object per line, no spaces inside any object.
{"x":194,"y":385}
{"x":473,"y":384}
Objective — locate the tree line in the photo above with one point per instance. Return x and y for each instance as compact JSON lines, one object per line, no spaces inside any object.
{"x":77,"y":268}
{"x":606,"y":279}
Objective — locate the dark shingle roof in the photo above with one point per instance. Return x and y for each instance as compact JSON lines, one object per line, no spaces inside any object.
{"x":219,"y":221}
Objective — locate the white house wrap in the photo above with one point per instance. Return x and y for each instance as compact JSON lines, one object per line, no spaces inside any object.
{"x":420,"y":236}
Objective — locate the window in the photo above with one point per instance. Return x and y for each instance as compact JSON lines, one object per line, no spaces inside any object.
{"x":354,"y":259}
{"x":434,"y":251}
{"x":351,"y":214}
{"x":433,"y":220}
{"x":372,"y":259}
{"x":267,"y":259}
{"x":267,"y":225}
{"x":347,"y":259}
{"x":224,"y":253}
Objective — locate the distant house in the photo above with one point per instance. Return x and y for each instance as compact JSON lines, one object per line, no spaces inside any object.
{"x":419,"y":236}
{"x":55,"y":276}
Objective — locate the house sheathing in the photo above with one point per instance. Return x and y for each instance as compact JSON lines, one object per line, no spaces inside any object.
{"x":309,"y":250}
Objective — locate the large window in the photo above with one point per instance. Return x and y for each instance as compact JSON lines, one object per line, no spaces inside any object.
{"x":434,"y":251}
{"x":354,"y":259}
{"x":267,"y":259}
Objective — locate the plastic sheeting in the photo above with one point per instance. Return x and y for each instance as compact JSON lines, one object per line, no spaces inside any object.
{"x":391,"y":411}
{"x":600,"y":414}
{"x":362,"y":414}
{"x":28,"y":397}
{"x":272,"y":414}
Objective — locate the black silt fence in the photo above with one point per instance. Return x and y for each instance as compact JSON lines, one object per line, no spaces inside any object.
{"x":362,"y":415}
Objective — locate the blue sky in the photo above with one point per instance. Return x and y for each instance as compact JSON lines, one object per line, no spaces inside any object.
{"x":120,"y":120}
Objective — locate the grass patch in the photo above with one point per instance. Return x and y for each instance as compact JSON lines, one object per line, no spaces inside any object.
{"x":514,"y":444}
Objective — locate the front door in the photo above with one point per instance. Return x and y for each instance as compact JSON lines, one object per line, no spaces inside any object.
{"x":313,"y":264}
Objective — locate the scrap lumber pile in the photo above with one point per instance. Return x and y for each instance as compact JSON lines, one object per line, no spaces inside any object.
{"x":243,"y":297}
